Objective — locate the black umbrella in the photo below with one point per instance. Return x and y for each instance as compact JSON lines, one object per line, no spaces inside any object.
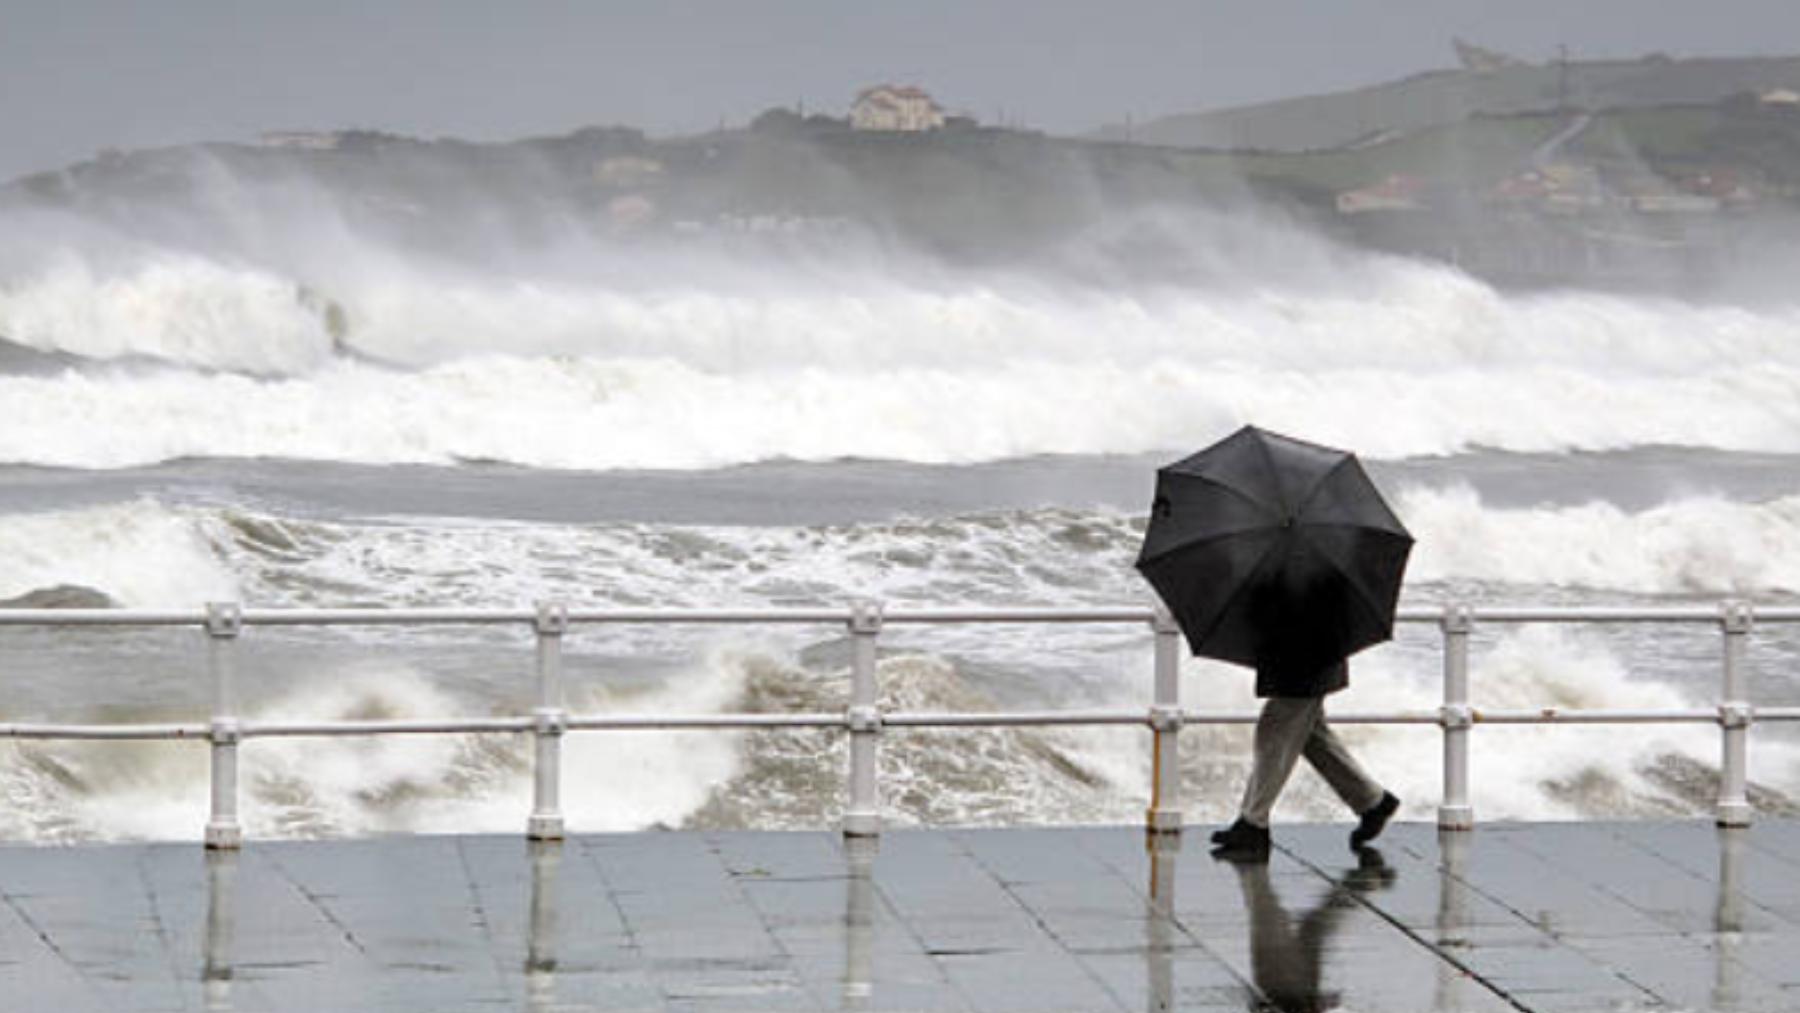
{"x":1274,"y":553}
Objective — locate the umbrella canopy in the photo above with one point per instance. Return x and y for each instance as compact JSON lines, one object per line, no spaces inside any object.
{"x":1274,"y":553}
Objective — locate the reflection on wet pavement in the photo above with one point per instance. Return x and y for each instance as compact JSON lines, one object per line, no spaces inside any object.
{"x":1287,"y":952}
{"x":1648,"y":916}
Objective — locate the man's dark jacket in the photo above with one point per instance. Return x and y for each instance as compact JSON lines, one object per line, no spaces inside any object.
{"x":1304,"y":680}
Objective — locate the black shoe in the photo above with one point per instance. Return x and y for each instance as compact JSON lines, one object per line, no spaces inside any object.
{"x":1242,"y":841}
{"x":1371,"y":873}
{"x":1374,"y":819}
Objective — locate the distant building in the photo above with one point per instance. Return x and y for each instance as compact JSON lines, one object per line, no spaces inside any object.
{"x":1526,"y":188}
{"x":1730,"y":187}
{"x":1671,"y":202}
{"x":630,"y":211}
{"x":1779,"y":97}
{"x":627,"y":171}
{"x":1395,"y":193}
{"x":1482,"y":61}
{"x":1572,"y":189}
{"x":303,"y":140}
{"x":893,"y":107}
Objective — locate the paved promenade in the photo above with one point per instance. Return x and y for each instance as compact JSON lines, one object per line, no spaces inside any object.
{"x":1639,"y":916}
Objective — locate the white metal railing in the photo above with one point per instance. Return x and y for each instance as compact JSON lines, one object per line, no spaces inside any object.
{"x":864,"y":721}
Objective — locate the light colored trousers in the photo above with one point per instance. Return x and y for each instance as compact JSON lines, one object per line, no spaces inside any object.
{"x":1292,"y":727}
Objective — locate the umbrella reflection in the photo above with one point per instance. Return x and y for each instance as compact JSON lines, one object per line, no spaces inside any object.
{"x":1287,"y":953}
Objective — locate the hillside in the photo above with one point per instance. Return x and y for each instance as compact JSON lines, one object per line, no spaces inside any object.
{"x":1439,"y":98}
{"x":1530,"y":196}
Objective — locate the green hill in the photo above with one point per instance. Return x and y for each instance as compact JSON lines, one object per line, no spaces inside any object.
{"x":1440,"y":98}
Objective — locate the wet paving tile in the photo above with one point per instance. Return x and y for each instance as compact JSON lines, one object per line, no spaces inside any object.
{"x":1593,"y":916}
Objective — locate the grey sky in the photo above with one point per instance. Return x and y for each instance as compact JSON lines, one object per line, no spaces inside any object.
{"x":79,"y":75}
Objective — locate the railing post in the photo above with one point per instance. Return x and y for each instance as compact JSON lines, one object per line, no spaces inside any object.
{"x":862,"y":817}
{"x":1735,"y":716}
{"x":1456,"y":717}
{"x":224,"y":621}
{"x":1164,"y":815}
{"x":546,"y":822}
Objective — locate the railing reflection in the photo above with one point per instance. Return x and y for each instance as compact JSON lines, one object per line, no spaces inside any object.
{"x":221,"y":930}
{"x":1454,"y":987}
{"x":541,"y":928}
{"x":1290,"y":951}
{"x":1159,"y":922}
{"x":859,"y":922}
{"x":1728,"y":918}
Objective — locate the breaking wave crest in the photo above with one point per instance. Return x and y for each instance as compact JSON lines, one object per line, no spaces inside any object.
{"x":148,"y":553}
{"x":587,"y":366}
{"x":1700,"y":545}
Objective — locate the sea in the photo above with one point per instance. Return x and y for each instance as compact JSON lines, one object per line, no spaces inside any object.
{"x":286,"y":410}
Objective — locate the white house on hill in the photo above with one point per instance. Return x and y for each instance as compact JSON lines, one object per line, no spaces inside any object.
{"x":892,"y":107}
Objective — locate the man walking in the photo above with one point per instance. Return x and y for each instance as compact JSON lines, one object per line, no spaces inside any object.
{"x":1293,"y":725}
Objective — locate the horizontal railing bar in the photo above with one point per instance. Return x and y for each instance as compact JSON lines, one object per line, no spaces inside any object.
{"x":42,"y":731}
{"x":1552,"y":715}
{"x":995,"y":719}
{"x":505,"y":616}
{"x":710,"y":616}
{"x":678,"y":722}
{"x":261,"y":730}
{"x":1017,"y":615}
{"x":896,"y":719}
{"x":1418,"y":717}
{"x":102,"y":617}
{"x":1594,"y":614}
{"x":387,"y":617}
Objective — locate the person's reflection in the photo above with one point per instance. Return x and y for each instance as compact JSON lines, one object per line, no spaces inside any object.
{"x":1287,"y":954}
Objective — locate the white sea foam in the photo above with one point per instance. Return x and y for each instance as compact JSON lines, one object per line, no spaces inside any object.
{"x":178,"y":307}
{"x":147,"y":553}
{"x":139,"y":553}
{"x":1692,"y":545}
{"x":883,"y":360}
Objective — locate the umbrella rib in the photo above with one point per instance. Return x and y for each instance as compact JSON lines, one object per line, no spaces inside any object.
{"x":1234,"y":490}
{"x":1225,"y":609}
{"x":1210,"y":537}
{"x":1268,"y":457}
{"x":1319,"y":483}
{"x":1358,"y":526}
{"x":1313,"y":493}
{"x":1362,"y":593}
